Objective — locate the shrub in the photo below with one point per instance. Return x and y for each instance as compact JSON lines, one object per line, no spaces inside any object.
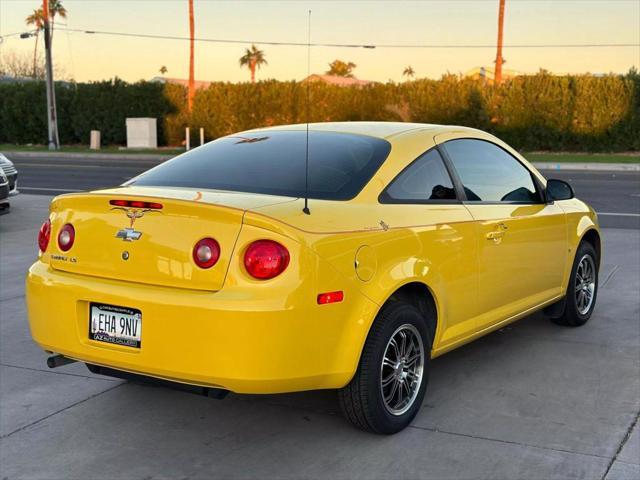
{"x":535,"y":112}
{"x":81,"y":107}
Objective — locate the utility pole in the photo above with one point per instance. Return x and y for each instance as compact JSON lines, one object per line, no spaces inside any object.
{"x":52,"y":119}
{"x":499,"y":59}
{"x":191,"y":88}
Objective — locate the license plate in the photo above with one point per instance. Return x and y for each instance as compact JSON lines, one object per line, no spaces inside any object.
{"x":115,"y":325}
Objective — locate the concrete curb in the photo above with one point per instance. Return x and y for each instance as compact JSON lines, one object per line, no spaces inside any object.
{"x":88,"y":156}
{"x":609,"y":167}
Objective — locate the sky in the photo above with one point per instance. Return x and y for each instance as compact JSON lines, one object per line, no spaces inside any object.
{"x":461,"y":22}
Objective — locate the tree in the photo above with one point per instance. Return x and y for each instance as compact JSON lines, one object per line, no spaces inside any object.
{"x":408,"y":72}
{"x":252,"y":59}
{"x":20,"y":65}
{"x":163,"y":70}
{"x":341,"y":69}
{"x":36,"y":19}
{"x":191,"y":93}
{"x":56,"y":8}
{"x":17,"y":65}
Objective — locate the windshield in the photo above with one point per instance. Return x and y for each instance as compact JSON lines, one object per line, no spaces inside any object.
{"x":273,"y":162}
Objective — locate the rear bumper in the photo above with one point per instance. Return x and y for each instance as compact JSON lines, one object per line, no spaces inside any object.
{"x":231,"y":339}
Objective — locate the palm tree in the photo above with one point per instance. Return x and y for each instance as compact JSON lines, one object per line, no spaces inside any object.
{"x":408,"y":72}
{"x":192,"y":83}
{"x":56,"y":8}
{"x":37,"y":20}
{"x":341,"y":69}
{"x":252,"y":59}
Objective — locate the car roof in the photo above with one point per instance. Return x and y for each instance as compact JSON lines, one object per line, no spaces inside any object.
{"x":384,"y":130}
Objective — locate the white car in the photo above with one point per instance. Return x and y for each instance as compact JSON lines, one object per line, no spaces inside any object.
{"x":11,"y":173}
{"x":4,"y":193}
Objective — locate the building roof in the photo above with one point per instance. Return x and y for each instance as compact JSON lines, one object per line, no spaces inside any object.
{"x":489,"y":73}
{"x":181,"y":81}
{"x":328,"y":79}
{"x":336,"y":80}
{"x":10,"y":79}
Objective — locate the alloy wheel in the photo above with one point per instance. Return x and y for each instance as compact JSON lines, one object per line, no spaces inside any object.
{"x":585,"y":284}
{"x":401,"y":370}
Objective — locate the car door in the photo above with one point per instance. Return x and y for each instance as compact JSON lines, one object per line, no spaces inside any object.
{"x":441,"y":238}
{"x":522,"y":240}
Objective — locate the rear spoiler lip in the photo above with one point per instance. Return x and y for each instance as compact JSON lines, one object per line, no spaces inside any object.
{"x":119,"y":194}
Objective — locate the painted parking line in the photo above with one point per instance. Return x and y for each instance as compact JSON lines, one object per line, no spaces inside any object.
{"x":57,"y":165}
{"x":612,"y":214}
{"x":46,"y":189}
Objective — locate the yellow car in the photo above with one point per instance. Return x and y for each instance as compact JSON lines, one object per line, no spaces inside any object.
{"x":345,"y":256}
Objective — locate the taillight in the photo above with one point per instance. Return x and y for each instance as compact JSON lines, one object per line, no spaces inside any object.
{"x":66,"y":237}
{"x":136,"y":204}
{"x":206,"y":253}
{"x":44,"y":235}
{"x":265,"y":259}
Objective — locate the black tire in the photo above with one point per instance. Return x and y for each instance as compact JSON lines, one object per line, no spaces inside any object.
{"x":575,"y":315}
{"x":362,"y":401}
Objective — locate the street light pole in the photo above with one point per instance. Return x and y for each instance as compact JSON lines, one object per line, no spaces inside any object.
{"x":52,"y":121}
{"x":191,"y":89}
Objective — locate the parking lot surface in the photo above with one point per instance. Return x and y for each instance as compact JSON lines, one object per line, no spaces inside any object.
{"x":530,"y":401}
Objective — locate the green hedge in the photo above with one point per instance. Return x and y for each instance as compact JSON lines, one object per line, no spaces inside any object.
{"x":540,"y":112}
{"x":81,"y":107}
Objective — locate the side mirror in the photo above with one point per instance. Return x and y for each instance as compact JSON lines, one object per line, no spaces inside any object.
{"x":558,"y":190}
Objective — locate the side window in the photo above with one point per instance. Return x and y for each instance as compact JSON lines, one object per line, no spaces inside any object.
{"x":424,"y":180}
{"x":490,"y":174}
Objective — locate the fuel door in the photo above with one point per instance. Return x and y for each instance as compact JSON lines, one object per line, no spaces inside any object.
{"x":365,"y":263}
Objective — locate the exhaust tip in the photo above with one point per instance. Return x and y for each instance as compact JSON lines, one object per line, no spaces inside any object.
{"x":58,"y":361}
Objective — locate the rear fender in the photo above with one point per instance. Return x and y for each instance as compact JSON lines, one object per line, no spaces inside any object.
{"x":340,"y":329}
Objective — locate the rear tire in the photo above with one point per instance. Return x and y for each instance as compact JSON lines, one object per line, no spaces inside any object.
{"x":388,"y":387}
{"x":582,"y":290}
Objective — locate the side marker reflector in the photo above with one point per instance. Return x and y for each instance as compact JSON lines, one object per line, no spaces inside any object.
{"x":330,"y":297}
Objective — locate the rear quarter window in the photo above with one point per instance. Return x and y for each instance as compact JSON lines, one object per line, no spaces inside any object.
{"x":423,"y":181}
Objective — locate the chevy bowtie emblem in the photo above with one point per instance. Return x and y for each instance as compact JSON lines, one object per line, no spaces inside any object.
{"x":128,"y":234}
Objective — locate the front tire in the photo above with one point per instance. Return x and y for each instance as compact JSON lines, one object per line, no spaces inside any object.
{"x":582,"y":290}
{"x":388,"y":388}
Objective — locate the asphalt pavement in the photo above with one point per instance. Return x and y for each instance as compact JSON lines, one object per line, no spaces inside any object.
{"x":614,"y":195}
{"x":530,"y":401}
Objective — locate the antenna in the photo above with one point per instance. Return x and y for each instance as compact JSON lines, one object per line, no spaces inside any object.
{"x":306,"y":160}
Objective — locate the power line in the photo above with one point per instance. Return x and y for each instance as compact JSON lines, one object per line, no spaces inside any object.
{"x":218,"y":40}
{"x":356,"y":1}
{"x":347,"y":45}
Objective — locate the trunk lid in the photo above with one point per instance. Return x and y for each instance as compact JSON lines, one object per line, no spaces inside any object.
{"x":152,"y":246}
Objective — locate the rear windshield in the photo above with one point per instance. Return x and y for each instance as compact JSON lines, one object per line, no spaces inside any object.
{"x":340,"y":164}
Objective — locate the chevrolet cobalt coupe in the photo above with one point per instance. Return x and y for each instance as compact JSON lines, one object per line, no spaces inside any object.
{"x":207,"y":272}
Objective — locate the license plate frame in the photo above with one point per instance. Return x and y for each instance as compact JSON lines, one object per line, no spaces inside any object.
{"x":118,"y":325}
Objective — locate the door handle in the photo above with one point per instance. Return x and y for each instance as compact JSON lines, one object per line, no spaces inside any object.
{"x":495,"y":235}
